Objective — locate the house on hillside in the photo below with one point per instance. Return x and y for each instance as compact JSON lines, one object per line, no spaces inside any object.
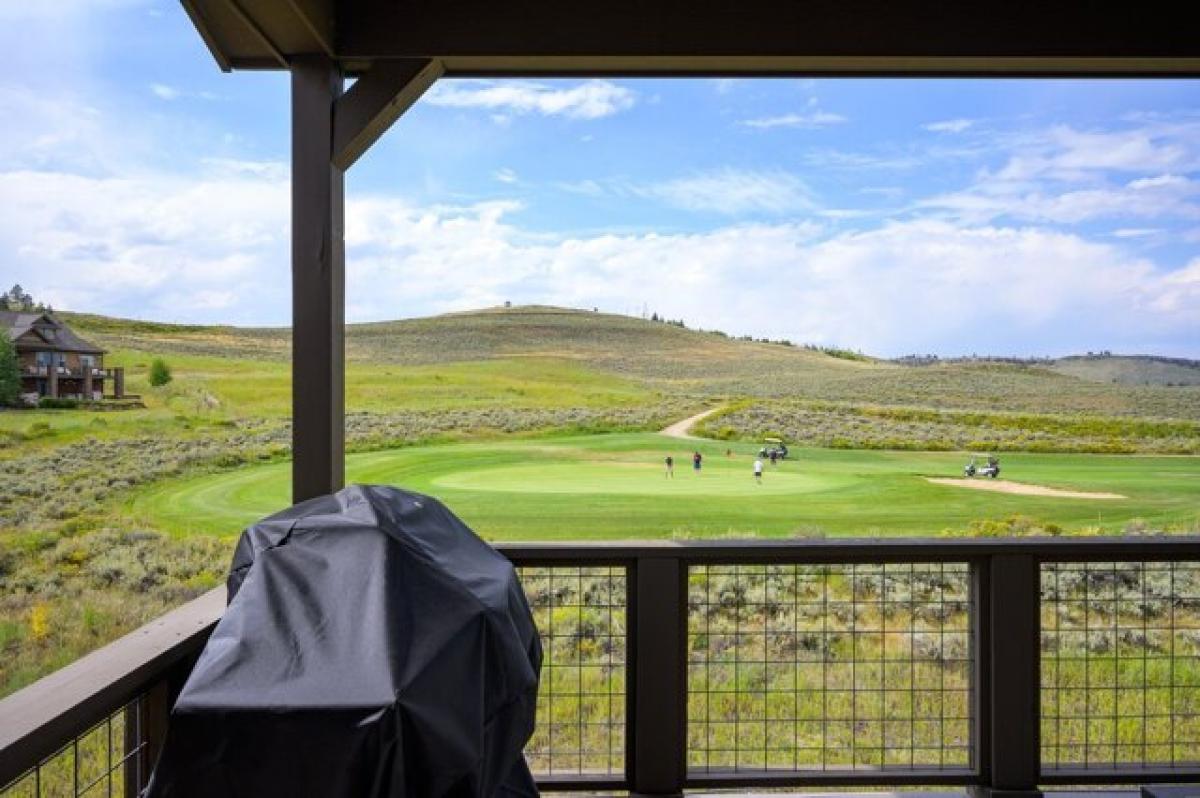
{"x":56,"y":362}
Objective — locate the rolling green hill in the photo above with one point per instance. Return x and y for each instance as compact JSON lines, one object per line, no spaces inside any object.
{"x":658,"y":357}
{"x":1131,"y":369}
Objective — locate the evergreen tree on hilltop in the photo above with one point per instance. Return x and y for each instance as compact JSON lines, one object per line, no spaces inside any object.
{"x":18,"y":299}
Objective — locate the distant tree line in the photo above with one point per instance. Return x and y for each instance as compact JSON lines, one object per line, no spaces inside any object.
{"x":1012,"y":360}
{"x":832,"y":351}
{"x":20,"y":300}
{"x":929,"y":360}
{"x":663,"y":320}
{"x":839,"y":352}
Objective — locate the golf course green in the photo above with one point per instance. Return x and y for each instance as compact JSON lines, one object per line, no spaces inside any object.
{"x":615,"y":486}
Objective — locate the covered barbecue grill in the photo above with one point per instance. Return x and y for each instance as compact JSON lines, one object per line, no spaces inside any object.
{"x":373,"y":646}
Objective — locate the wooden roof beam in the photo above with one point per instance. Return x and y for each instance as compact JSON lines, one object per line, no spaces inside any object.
{"x":375,"y":102}
{"x":898,"y":37}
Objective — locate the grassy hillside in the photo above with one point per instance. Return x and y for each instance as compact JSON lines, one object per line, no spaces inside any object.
{"x":1131,"y":369}
{"x":654,"y":356}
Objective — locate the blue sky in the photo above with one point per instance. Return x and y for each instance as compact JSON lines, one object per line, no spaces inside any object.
{"x":953,"y":216}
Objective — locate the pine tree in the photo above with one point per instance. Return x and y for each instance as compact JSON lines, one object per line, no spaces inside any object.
{"x":160,"y":372}
{"x":10,"y":371}
{"x":17,"y":298}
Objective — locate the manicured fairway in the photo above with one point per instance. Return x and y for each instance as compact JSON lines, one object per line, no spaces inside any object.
{"x":613,"y":486}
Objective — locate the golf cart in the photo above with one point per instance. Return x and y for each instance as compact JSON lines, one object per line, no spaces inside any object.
{"x":992,"y":469}
{"x":775,"y":445}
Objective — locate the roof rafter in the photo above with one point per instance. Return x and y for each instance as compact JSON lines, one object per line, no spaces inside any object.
{"x":318,"y":18}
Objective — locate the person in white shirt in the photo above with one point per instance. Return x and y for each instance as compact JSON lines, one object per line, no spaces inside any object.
{"x":758,"y":471}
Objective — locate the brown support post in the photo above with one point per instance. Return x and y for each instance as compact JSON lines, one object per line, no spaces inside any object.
{"x":87,"y":383}
{"x":660,"y":677}
{"x":1012,"y":596}
{"x":318,"y":283}
{"x":52,"y":377}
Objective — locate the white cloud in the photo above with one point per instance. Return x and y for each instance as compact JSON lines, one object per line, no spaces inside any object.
{"x":271,"y":170}
{"x":216,"y":247}
{"x":59,"y":10}
{"x":1179,"y":293}
{"x":586,"y":187}
{"x":56,"y":132}
{"x":1162,"y":196}
{"x":169,"y":93}
{"x":887,"y":192}
{"x":1064,"y":153}
{"x":151,"y":246}
{"x":95,"y":218}
{"x":949,"y":125}
{"x":912,"y":286}
{"x":854,"y":161}
{"x":732,"y":191}
{"x":1065,"y":176}
{"x":1136,"y":232}
{"x":812,"y":120}
{"x":591,"y":99}
{"x":164,"y":92}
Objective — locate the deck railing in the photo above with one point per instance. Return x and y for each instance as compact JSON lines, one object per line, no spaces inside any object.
{"x":68,"y":372}
{"x":1003,"y":664}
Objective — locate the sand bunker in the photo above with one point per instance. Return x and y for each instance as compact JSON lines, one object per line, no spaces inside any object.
{"x":1004,"y":486}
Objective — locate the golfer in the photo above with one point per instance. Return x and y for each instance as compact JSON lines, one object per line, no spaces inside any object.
{"x":758,"y":470}
{"x":696,"y":458}
{"x":670,"y":466}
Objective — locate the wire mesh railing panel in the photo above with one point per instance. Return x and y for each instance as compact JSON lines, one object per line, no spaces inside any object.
{"x":1120,"y":665}
{"x":104,"y":761}
{"x":832,"y":667}
{"x":581,"y":615}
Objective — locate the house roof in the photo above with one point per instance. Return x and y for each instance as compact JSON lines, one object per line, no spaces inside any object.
{"x":633,"y":37}
{"x":19,"y":323}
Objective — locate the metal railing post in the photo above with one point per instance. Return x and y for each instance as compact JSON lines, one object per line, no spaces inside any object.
{"x":659,"y":638}
{"x":1012,"y":759}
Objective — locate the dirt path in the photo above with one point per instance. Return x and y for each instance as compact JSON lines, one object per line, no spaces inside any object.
{"x":1004,"y":486}
{"x":680,"y":428}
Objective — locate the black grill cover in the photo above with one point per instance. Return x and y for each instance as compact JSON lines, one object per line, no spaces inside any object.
{"x":373,"y":646}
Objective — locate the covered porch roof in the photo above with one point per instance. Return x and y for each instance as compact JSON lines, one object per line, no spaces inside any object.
{"x":634,"y":37}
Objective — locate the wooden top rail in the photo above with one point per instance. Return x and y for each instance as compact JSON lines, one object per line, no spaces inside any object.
{"x":37,"y":721}
{"x":900,"y":549}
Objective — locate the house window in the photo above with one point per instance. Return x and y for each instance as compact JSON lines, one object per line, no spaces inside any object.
{"x":45,"y":358}
{"x":87,"y":361}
